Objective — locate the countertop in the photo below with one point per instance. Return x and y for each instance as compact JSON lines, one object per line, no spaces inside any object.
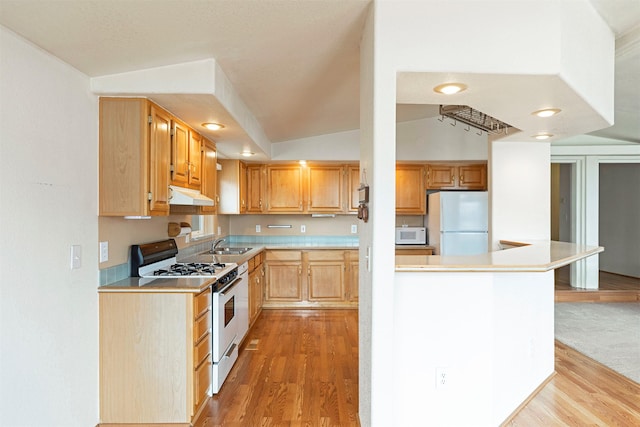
{"x":532,"y":256}
{"x":195,"y":285}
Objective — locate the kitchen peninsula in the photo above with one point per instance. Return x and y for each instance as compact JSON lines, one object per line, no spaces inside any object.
{"x":481,"y":329}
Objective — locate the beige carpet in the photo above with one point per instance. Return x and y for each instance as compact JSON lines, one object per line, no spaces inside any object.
{"x":606,"y":332}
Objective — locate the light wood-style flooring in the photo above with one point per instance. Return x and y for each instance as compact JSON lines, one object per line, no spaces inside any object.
{"x":582,"y":393}
{"x":611,"y":288}
{"x":297,"y":368}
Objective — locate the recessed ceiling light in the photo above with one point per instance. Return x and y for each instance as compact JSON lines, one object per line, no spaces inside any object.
{"x":450,"y":88}
{"x":547,"y":112}
{"x":212,"y":126}
{"x":247,"y":153}
{"x":542,"y":135}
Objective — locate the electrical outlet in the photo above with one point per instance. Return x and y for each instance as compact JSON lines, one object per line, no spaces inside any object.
{"x":219,"y":231}
{"x":303,"y":228}
{"x":354,"y":228}
{"x":258,"y":228}
{"x":104,"y":251}
{"x":442,"y":378}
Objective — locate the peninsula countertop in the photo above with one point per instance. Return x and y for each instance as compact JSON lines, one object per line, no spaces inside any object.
{"x":532,"y":256}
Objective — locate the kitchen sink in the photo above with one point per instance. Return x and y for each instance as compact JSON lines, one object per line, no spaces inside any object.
{"x":229,"y":251}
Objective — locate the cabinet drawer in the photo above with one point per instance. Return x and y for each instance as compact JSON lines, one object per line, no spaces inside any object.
{"x":284,"y":256}
{"x":202,"y":349}
{"x":202,"y":326}
{"x":202,"y":380}
{"x":252,"y":264}
{"x":202,"y":303}
{"x":325,"y":255}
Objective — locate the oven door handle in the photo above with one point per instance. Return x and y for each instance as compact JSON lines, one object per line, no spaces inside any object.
{"x":229,"y":286}
{"x":230,"y":352}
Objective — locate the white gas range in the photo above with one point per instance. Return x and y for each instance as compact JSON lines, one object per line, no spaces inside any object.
{"x":229,"y":299}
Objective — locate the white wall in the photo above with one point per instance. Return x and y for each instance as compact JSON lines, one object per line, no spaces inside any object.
{"x":422,"y":139}
{"x":48,"y":195}
{"x":520,"y":187}
{"x":619,"y":224}
{"x":430,"y":139}
{"x":493,"y":332}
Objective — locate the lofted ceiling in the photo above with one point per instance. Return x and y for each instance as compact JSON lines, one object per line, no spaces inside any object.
{"x":294,"y":63}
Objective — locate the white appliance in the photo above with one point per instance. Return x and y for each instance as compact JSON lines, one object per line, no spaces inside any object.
{"x":411,"y":235}
{"x":458,"y":222}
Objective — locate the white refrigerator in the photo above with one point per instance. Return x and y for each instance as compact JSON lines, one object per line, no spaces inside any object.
{"x":458,"y":222}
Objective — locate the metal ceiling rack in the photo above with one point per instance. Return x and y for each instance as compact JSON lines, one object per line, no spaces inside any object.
{"x":474,"y":118}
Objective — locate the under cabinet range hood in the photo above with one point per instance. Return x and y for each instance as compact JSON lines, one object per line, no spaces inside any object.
{"x":188,"y":197}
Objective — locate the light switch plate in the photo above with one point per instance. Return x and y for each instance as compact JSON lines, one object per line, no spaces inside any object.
{"x":258,"y":228}
{"x":104,"y":251}
{"x":354,"y":228}
{"x":303,"y":228}
{"x":76,"y":256}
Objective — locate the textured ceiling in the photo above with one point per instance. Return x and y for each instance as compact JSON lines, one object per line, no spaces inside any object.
{"x":295,"y":64}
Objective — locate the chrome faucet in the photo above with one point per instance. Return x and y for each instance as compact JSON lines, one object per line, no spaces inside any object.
{"x":216,"y":243}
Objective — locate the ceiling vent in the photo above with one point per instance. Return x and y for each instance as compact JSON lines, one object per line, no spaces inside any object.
{"x":474,"y":118}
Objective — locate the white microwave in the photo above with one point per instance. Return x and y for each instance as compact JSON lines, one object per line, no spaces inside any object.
{"x":411,"y":236}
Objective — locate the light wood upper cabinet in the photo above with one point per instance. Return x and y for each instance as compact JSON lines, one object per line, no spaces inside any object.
{"x":410,"y":189}
{"x":285,"y":189}
{"x":256,"y":177}
{"x":209,"y":185}
{"x":185,"y":156}
{"x":180,"y":154}
{"x":472,"y":177}
{"x":325,"y":189}
{"x":195,"y":159}
{"x":135,"y":152}
{"x":232,"y":187}
{"x":457,"y":176}
{"x":353,"y":184}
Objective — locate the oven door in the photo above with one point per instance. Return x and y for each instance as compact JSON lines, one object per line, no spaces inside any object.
{"x":225,"y":319}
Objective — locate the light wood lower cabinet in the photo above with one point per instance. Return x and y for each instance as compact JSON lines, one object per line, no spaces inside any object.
{"x":325,"y":276}
{"x":155,"y":356}
{"x":256,"y":288}
{"x":308,"y":279}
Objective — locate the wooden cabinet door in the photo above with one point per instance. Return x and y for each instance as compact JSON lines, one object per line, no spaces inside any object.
{"x":284,"y":189}
{"x":325,"y":276}
{"x":123,"y":173}
{"x":283,"y":281}
{"x":159,"y":158}
{"x":209,"y":183}
{"x":472,"y":177}
{"x":326,"y":281}
{"x":255,"y":188}
{"x":195,"y":156}
{"x":353,"y":177}
{"x":353,"y":278}
{"x":410,"y":190}
{"x":441,"y":177}
{"x":180,"y":154}
{"x":243,"y":187}
{"x":254,"y":285}
{"x":325,"y":189}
